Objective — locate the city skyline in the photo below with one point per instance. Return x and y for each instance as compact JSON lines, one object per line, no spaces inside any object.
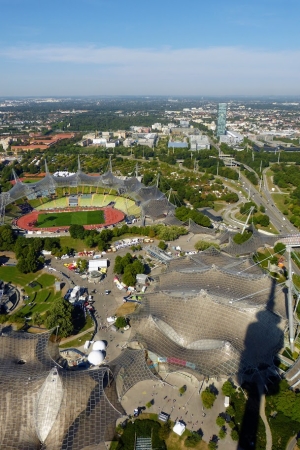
{"x":99,"y":47}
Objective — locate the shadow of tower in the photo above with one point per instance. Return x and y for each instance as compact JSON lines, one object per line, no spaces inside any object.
{"x":254,"y":379}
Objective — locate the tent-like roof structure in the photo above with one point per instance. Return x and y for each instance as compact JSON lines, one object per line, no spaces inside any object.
{"x":44,"y":405}
{"x":211,"y":320}
{"x":152,"y":201}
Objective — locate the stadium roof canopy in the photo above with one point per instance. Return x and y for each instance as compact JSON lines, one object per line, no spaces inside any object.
{"x":152,"y":201}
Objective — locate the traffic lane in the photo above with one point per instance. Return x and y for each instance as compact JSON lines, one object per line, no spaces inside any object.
{"x":288,"y":226}
{"x":273,"y":212}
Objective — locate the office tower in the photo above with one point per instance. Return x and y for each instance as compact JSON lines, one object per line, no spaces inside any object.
{"x":221,"y":122}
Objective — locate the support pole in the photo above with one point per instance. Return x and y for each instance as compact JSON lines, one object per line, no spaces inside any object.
{"x":290,"y":299}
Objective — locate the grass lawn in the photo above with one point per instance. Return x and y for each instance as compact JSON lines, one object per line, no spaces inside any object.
{"x":77,"y":342}
{"x":279,"y":202}
{"x":41,"y":300}
{"x":70,"y":218}
{"x":76,"y":244}
{"x":219,"y":206}
{"x":11,"y":274}
{"x":41,"y":295}
{"x":175,"y":442}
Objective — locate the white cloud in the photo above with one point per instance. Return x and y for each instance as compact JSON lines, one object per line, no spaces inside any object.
{"x":216,"y":70}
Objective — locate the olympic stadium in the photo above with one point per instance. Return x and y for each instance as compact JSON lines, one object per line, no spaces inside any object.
{"x":106,"y":192}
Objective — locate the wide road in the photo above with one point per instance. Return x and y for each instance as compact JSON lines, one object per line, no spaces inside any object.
{"x":264,"y":198}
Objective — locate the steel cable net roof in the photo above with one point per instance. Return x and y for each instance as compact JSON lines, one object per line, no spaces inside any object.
{"x":212,"y":257}
{"x":256,"y":241}
{"x":191,"y":324}
{"x":243,"y":291}
{"x":46,"y":406}
{"x":152,"y":201}
{"x":194,"y":228}
{"x":130,"y":368}
{"x":172,"y":220}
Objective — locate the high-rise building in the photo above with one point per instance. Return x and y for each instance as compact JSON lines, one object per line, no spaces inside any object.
{"x":221,"y":123}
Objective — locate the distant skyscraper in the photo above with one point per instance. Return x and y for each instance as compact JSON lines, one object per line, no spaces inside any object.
{"x":221,"y":123}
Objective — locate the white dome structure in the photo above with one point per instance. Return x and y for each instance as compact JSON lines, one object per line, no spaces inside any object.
{"x":99,"y":345}
{"x":96,"y":357}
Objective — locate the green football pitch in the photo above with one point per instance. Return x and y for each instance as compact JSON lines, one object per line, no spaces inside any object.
{"x":70,"y":218}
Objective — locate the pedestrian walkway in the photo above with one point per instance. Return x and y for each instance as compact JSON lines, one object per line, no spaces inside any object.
{"x":262,"y":412}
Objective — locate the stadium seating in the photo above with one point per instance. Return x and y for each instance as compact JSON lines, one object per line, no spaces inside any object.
{"x":85,"y":202}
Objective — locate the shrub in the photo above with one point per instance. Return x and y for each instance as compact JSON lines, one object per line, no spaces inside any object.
{"x":203,"y":245}
{"x":182,"y":390}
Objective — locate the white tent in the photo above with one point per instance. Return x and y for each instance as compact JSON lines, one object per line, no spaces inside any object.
{"x":96,"y":357}
{"x":97,"y":264}
{"x":179,"y":428}
{"x":99,"y":345}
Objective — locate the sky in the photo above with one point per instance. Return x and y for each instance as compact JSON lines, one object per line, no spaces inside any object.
{"x":134,"y":47}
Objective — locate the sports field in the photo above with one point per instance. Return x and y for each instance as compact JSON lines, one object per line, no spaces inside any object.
{"x":70,"y":218}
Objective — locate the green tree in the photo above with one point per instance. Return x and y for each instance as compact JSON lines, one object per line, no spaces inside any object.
{"x":138,"y":266}
{"x":129,"y":277}
{"x":220,"y":421}
{"x":192,"y":440}
{"x":61,"y":314}
{"x":228,"y":388}
{"x":234,"y":435}
{"x":279,"y":248}
{"x":230,"y":410}
{"x":222,"y":433}
{"x":77,"y":231}
{"x":162,"y":245}
{"x":28,"y":263}
{"x":118,"y":267}
{"x":120,"y":322}
{"x":83,"y":264}
{"x":208,"y":398}
{"x":37,"y":318}
{"x":7,"y":238}
{"x":245,"y":208}
{"x":212,"y":445}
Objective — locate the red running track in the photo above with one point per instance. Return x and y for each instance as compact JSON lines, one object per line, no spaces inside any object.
{"x":111,"y":217}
